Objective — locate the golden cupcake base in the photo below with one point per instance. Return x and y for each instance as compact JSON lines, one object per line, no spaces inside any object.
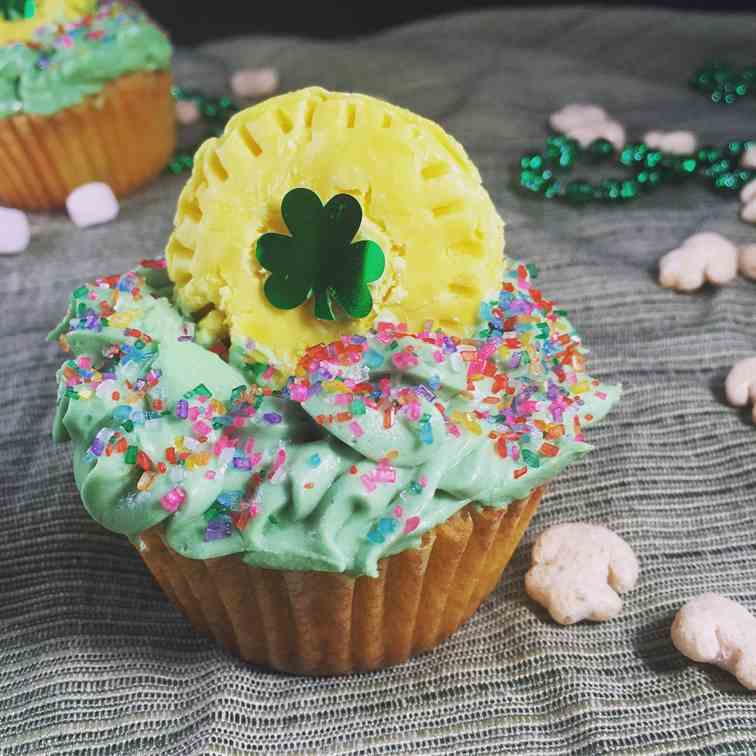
{"x":321,"y":623}
{"x":123,"y":136}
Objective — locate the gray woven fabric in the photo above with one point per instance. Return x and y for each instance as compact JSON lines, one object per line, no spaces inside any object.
{"x":94,"y":659}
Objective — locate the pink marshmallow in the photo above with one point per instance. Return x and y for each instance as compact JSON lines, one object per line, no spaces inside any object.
{"x":91,"y":204}
{"x":748,"y":192}
{"x":579,"y":570}
{"x":749,"y":158}
{"x":254,"y":82}
{"x":586,"y":123}
{"x":577,"y":114}
{"x":187,"y":112}
{"x":747,"y":261}
{"x":740,"y":386}
{"x":702,"y":257}
{"x":673,"y":142}
{"x":717,"y":630}
{"x":748,"y":211}
{"x":14,"y":231}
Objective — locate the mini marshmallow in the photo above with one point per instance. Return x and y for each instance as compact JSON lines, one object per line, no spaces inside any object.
{"x":672,"y":142}
{"x":740,"y":385}
{"x":15,"y":233}
{"x":586,"y":123}
{"x":747,"y":261}
{"x":748,"y":160}
{"x":91,"y":204}
{"x":187,"y":112}
{"x":705,"y":256}
{"x":713,"y":629}
{"x":577,"y":114}
{"x":578,"y":571}
{"x":748,"y":211}
{"x":748,"y":192}
{"x":254,"y":82}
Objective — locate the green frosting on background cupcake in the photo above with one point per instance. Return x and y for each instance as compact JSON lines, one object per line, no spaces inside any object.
{"x":65,"y":64}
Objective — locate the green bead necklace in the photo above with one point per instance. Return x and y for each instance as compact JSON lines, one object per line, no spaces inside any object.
{"x":723,"y":84}
{"x":215,"y":111}
{"x":543,"y":173}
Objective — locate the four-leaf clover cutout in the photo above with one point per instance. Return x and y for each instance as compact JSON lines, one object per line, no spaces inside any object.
{"x":319,"y":258}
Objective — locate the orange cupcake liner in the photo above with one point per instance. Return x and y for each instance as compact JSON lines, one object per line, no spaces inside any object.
{"x":123,"y":136}
{"x":323,"y":623}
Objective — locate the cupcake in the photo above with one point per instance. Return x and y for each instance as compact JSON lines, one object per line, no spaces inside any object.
{"x":85,"y":95}
{"x":327,"y":417}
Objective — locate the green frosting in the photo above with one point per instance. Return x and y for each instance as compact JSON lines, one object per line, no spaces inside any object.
{"x":376,"y":440}
{"x":64,"y":67}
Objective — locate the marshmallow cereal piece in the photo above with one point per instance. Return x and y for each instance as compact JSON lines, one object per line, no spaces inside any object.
{"x":747,"y":261}
{"x":672,"y":142}
{"x":748,"y":211}
{"x":90,"y":204}
{"x":740,"y":385}
{"x":14,"y":231}
{"x":748,"y":192}
{"x":187,"y":112}
{"x":577,"y":114}
{"x":748,"y":160}
{"x":702,"y":257}
{"x":254,"y":82}
{"x":578,"y":571}
{"x":713,"y":629}
{"x":586,"y":123}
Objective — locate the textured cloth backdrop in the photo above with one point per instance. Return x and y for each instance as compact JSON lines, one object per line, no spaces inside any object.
{"x":95,"y":660}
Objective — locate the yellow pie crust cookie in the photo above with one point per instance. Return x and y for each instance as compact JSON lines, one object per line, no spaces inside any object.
{"x":422,"y":201}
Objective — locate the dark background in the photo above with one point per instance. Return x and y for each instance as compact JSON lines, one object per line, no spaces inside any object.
{"x":193,"y":22}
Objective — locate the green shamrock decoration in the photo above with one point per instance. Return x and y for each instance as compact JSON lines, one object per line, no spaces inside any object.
{"x":319,"y":257}
{"x":15,"y":10}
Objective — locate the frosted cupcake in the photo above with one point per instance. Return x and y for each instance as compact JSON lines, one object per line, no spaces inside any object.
{"x":327,"y":422}
{"x":85,"y":95}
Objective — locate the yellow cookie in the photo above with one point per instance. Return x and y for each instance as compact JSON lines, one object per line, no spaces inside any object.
{"x":40,"y":13}
{"x":422,"y":203}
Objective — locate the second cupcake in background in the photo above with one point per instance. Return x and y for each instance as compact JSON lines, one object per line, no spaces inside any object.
{"x":85,"y":96}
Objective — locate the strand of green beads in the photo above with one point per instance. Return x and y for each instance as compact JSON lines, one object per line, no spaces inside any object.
{"x":545,"y":173}
{"x":215,"y":111}
{"x":723,"y":84}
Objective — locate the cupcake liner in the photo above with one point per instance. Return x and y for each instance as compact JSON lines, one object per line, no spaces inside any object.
{"x":322,"y":623}
{"x":122,"y":136}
